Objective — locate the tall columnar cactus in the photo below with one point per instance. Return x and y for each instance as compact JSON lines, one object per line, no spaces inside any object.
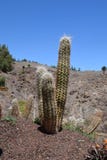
{"x":62,"y":76}
{"x":40,"y":72}
{"x":29,"y":105}
{"x":52,"y":98}
{"x":49,"y":103}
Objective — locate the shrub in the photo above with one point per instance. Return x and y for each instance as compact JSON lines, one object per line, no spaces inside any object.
{"x":53,"y":66}
{"x":97,"y":152}
{"x":24,"y":60}
{"x":2,"y":81}
{"x":37,"y":121}
{"x":29,"y":65}
{"x":23,"y":69}
{"x":6,"y":59}
{"x":22,"y":105}
{"x":104,"y":69}
{"x":10,"y":119}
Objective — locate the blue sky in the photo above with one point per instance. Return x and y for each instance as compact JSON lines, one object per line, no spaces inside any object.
{"x":32,"y":29}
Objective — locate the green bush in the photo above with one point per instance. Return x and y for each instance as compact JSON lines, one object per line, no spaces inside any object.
{"x":37,"y":121}
{"x":53,"y":66}
{"x":22,"y":106}
{"x":104,"y":68}
{"x":24,"y":60}
{"x":2,"y":81}
{"x":10,"y":119}
{"x":6,"y":59}
{"x":29,"y":65}
{"x":73,"y":128}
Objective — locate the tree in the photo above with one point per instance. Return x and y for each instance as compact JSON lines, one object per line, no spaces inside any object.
{"x":104,"y":69}
{"x":6,"y":59}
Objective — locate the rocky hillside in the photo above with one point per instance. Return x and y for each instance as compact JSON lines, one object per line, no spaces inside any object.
{"x":86,"y":104}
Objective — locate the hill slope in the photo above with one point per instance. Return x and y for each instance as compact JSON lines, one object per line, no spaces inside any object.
{"x":86,"y":99}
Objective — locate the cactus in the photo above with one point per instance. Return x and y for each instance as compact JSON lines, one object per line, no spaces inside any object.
{"x":63,"y":68}
{"x":40,"y":72}
{"x":28,"y":106}
{"x":52,"y":98}
{"x":49,"y":103}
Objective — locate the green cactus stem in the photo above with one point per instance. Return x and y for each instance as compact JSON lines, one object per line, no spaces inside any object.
{"x":40,"y":72}
{"x":29,"y":105}
{"x":62,"y":78}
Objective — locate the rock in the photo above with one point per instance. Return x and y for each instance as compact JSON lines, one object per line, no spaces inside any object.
{"x":14,"y":109}
{"x":100,"y":136}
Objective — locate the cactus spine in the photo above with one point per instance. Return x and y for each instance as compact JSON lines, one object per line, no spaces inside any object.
{"x":62,"y":77}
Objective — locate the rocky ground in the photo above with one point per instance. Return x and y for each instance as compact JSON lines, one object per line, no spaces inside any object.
{"x":24,"y":140}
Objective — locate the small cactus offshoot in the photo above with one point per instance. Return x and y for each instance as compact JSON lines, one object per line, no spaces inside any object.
{"x":40,"y":72}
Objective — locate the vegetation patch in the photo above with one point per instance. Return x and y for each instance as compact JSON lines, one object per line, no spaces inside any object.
{"x":6,"y":59}
{"x":10,"y":119}
{"x":37,"y":121}
{"x":72,"y":127}
{"x":2,"y":81}
{"x":97,"y":152}
{"x":22,"y":106}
